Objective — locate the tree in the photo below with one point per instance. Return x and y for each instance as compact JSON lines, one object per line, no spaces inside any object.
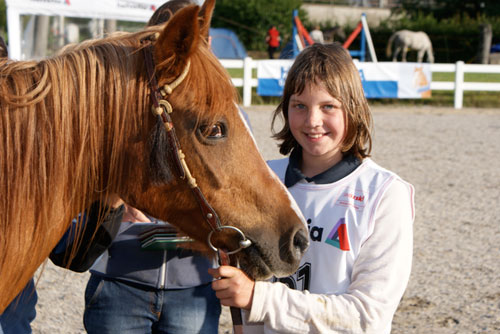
{"x":250,"y":19}
{"x":3,"y":18}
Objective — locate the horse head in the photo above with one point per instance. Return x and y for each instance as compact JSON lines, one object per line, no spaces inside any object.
{"x":217,"y":149}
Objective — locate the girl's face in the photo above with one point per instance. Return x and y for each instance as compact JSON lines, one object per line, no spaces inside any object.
{"x":317,"y":122}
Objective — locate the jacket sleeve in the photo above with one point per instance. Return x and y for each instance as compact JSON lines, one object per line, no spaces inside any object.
{"x":379,"y":278}
{"x":93,"y":241}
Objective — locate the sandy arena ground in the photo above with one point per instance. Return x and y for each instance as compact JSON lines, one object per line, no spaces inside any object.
{"x":453,"y":160}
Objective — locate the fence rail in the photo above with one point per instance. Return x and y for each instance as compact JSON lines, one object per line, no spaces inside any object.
{"x":458,"y":86}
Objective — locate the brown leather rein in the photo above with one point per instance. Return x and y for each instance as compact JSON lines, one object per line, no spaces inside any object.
{"x":163,"y":108}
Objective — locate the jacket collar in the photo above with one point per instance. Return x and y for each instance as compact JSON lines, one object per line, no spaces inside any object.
{"x":338,"y":171}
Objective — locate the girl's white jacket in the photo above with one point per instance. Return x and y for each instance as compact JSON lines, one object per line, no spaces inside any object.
{"x":357,"y":267}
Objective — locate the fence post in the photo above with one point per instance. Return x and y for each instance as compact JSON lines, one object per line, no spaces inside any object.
{"x":459,"y":84}
{"x":14,"y":33}
{"x":247,"y":81}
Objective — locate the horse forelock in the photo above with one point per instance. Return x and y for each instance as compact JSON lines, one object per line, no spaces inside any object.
{"x":206,"y":94}
{"x":214,"y":95}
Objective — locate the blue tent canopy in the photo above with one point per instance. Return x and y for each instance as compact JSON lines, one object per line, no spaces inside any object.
{"x":226,"y":45}
{"x":287,"y":52}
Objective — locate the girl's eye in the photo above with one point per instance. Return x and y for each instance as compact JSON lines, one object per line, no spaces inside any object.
{"x":331,"y":107}
{"x":299,"y":106}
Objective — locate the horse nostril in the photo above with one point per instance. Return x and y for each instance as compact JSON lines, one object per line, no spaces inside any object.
{"x":300,"y":241}
{"x":293,"y":245}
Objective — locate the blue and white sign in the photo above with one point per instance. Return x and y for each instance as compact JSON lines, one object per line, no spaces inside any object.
{"x":271,"y":76}
{"x":395,"y":80}
{"x":380,"y":80}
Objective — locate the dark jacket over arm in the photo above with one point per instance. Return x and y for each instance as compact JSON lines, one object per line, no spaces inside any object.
{"x":93,"y":243}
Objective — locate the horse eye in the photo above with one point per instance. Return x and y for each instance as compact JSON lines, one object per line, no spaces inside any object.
{"x":215,"y":131}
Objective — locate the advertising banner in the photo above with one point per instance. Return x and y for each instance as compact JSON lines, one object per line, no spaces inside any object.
{"x":380,"y":80}
{"x":271,"y":76}
{"x":396,"y":80}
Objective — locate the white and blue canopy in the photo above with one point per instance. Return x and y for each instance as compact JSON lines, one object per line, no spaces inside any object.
{"x":126,"y":10}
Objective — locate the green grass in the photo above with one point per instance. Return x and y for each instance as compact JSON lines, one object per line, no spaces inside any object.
{"x":439,"y":98}
{"x":238,"y":72}
{"x":469,"y":77}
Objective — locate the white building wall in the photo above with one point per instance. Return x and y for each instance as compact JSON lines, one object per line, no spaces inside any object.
{"x":345,"y":15}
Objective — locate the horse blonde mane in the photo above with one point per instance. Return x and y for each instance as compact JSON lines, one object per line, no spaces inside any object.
{"x":57,"y":115}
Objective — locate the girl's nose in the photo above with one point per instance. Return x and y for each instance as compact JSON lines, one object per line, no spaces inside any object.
{"x":314,"y":117}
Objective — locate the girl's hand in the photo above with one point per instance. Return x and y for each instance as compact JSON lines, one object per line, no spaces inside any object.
{"x":233,"y":287}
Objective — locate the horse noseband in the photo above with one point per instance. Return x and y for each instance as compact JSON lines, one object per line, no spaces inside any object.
{"x":163,"y":108}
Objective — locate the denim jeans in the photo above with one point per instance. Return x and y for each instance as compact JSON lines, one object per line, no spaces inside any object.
{"x":112,"y":306}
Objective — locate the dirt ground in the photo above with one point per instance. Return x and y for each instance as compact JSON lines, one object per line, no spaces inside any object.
{"x":453,"y":160}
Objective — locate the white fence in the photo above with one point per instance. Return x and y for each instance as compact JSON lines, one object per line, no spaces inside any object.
{"x":459,"y":86}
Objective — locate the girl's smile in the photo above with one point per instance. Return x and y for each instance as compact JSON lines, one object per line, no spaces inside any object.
{"x":316,"y":136}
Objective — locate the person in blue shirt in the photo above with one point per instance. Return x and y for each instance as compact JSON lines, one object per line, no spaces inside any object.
{"x":142,"y":286}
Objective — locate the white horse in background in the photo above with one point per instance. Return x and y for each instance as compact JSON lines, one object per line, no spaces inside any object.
{"x":404,"y":40}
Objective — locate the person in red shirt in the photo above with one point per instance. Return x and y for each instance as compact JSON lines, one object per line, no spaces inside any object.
{"x":273,"y":40}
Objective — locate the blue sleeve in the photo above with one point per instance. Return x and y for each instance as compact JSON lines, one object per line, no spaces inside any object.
{"x":68,"y":237}
{"x":18,"y":316}
{"x":247,"y":119}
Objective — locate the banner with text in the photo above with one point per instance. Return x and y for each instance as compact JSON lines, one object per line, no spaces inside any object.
{"x":380,"y":80}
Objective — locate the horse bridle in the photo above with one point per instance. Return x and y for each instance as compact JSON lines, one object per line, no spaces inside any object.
{"x":163,"y":108}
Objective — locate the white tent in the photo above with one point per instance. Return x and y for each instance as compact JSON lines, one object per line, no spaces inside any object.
{"x":126,"y":10}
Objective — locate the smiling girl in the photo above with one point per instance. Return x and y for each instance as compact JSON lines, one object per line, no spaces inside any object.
{"x":360,"y":215}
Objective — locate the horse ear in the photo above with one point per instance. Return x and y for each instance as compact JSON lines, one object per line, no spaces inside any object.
{"x":206,"y":16}
{"x":178,"y":39}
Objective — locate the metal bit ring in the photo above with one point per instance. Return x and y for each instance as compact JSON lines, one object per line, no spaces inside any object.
{"x":244,"y":243}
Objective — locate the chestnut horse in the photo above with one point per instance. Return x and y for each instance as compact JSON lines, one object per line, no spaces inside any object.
{"x":78,"y":127}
